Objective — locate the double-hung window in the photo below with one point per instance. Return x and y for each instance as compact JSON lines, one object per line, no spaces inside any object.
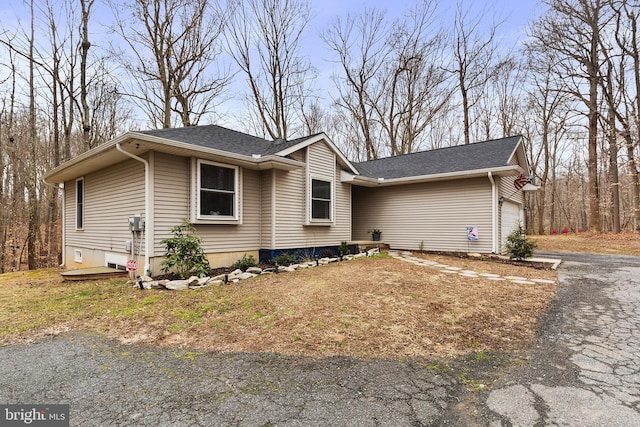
{"x":80,"y":204}
{"x":217,"y":191}
{"x":320,"y":200}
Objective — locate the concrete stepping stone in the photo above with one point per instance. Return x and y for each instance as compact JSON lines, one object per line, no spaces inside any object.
{"x":449,"y":271}
{"x":515,"y":278}
{"x":488,"y":275}
{"x":524,"y":282}
{"x":546,"y":281}
{"x":474,"y":273}
{"x":452,"y":268}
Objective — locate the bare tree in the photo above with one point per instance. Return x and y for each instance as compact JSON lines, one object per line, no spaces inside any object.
{"x":413,"y":82}
{"x":33,"y":142}
{"x":173,"y":43}
{"x":548,"y":106}
{"x":475,"y":61}
{"x":627,"y":38}
{"x":359,"y":41}
{"x":85,"y":44}
{"x":573,"y":29}
{"x":264,"y":37}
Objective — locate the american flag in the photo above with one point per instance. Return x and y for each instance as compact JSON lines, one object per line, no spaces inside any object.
{"x":521,"y":181}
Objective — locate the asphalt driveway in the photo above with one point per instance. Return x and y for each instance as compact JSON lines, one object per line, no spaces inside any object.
{"x":584,"y":370}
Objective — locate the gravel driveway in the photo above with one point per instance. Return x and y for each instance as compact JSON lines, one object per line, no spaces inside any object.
{"x":583,"y":370}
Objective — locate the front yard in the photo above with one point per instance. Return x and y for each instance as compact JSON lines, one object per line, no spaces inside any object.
{"x":370,"y":307}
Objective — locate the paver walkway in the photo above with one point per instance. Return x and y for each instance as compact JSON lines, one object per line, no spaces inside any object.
{"x":444,"y":268}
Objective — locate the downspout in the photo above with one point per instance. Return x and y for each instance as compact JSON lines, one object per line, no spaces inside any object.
{"x":147,"y":207}
{"x":494,"y":214}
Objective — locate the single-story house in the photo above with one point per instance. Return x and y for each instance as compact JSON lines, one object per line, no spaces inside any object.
{"x":248,"y":195}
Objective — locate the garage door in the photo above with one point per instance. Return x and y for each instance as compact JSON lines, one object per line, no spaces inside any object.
{"x":510,"y":219}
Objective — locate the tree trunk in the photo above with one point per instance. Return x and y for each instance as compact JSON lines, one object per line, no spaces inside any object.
{"x":31,"y":191}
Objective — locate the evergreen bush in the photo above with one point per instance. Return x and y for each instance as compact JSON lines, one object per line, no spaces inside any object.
{"x":284,"y":259}
{"x":518,"y":246}
{"x":244,"y":263}
{"x":184,"y":256}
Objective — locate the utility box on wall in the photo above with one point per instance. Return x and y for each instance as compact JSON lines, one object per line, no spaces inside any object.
{"x":136,"y":223}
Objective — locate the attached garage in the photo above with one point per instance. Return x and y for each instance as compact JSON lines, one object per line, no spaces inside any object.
{"x":511,"y":217}
{"x":429,"y":200}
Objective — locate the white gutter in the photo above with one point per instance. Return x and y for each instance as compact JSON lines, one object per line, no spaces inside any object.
{"x":494,"y":214}
{"x":373,"y":182}
{"x":147,"y":206}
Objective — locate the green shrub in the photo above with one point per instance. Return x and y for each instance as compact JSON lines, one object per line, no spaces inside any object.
{"x":518,"y":246}
{"x":184,"y":256}
{"x":344,"y":249}
{"x":284,"y":259}
{"x":244,"y":263}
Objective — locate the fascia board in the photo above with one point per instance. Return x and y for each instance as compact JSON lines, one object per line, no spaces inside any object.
{"x":267,"y":162}
{"x":49,"y":177}
{"x":313,"y":140}
{"x":382,"y":182}
{"x":520,"y":146}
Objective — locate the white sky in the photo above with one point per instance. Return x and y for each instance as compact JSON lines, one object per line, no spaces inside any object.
{"x":515,"y":16}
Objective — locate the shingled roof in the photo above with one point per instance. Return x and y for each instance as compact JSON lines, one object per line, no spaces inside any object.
{"x":219,"y":138}
{"x":477,"y":156}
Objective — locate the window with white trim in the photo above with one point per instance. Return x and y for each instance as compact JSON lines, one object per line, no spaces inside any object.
{"x":320,"y":200}
{"x":217,"y":191}
{"x":80,"y":204}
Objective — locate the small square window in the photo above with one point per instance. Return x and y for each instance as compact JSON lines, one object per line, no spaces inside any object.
{"x":217,"y":192}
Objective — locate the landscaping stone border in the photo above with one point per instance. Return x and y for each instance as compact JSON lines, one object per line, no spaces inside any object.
{"x":236,"y":276}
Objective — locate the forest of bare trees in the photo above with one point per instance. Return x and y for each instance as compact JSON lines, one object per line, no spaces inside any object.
{"x":76,"y":73}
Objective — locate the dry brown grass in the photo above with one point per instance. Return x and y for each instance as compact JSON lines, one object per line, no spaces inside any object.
{"x":602,"y":243}
{"x":373,"y":307}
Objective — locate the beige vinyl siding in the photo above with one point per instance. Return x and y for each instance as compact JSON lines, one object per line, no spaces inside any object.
{"x":508,"y":190}
{"x":293,"y":229}
{"x":173,"y":189}
{"x":111,"y":196}
{"x":267,"y":235}
{"x":436,"y":214}
{"x":171,"y":196}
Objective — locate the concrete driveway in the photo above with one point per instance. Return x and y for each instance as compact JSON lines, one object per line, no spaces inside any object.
{"x":584,"y":370}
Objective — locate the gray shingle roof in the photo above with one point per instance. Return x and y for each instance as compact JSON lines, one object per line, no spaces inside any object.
{"x":219,"y":138}
{"x":479,"y":155}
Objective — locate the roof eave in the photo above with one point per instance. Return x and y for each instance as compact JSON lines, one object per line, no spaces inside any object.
{"x":65,"y":171}
{"x":365,"y":181}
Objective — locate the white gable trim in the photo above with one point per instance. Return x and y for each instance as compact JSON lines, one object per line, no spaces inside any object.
{"x":316,"y":138}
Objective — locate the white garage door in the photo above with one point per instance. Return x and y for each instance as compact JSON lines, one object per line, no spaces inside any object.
{"x":510,"y":219}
